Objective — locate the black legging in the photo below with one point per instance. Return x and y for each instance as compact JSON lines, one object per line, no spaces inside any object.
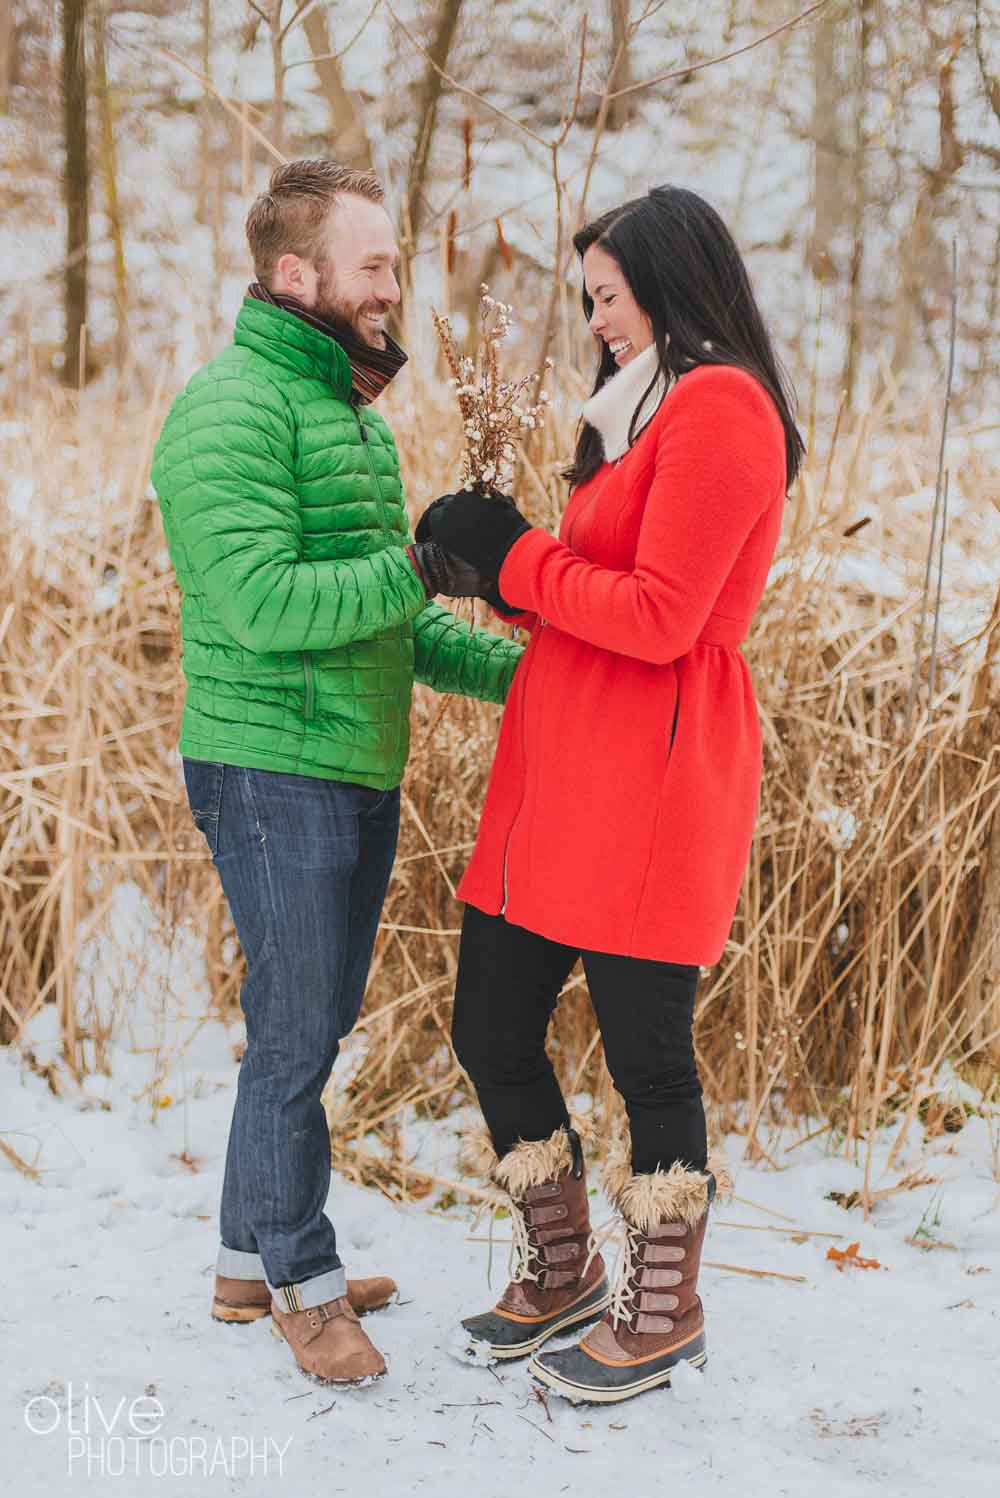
{"x":507,"y":986}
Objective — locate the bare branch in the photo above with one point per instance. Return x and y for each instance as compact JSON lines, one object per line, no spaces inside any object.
{"x":296,"y":16}
{"x":504,"y":213}
{"x":697,"y":67}
{"x":227,"y":104}
{"x":307,"y":62}
{"x":991,"y":84}
{"x":570,"y":119}
{"x":460,"y":87}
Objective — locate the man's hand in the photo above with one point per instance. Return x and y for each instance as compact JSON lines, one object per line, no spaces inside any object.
{"x":448,"y":575}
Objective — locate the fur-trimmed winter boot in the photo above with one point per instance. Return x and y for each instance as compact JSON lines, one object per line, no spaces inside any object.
{"x":655,"y":1319}
{"x":556,"y":1284}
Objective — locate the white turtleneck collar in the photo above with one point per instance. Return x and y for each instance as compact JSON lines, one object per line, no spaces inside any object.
{"x":611,"y":409}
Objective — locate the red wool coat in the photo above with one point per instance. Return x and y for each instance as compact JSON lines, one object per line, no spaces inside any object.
{"x":623,"y":797}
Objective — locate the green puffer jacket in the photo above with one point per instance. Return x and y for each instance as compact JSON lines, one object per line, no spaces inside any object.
{"x":303,"y":622}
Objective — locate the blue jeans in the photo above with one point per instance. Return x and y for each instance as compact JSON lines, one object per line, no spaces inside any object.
{"x":304,"y":865}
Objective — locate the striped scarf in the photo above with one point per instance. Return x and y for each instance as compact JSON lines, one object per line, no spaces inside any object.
{"x":371,"y":368}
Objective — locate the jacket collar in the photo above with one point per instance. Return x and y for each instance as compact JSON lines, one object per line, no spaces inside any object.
{"x":610,"y":409}
{"x":283,"y":338}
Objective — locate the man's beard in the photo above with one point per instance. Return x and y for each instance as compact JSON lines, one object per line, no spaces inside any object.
{"x":332,"y":309}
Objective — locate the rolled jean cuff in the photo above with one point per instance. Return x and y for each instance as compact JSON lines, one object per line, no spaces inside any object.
{"x":313,"y":1292}
{"x":237,"y":1265}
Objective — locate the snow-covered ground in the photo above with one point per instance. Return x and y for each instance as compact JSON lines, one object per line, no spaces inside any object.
{"x":842,"y":1382}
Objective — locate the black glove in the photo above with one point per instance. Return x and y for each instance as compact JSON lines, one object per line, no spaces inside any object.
{"x":478,"y":528}
{"x":449,"y":575}
{"x":423,"y":530}
{"x":496,"y":600}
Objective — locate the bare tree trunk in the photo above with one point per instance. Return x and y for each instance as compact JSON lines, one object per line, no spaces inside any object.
{"x":204,"y":117}
{"x":6,"y":52}
{"x":414,"y":205}
{"x":829,"y":175}
{"x":923,"y":258}
{"x":270,"y":13}
{"x":860,"y":199}
{"x":109,"y":173}
{"x":278,"y":68}
{"x":427,"y":109}
{"x":349,"y":138}
{"x":619,"y":110}
{"x":77,"y":182}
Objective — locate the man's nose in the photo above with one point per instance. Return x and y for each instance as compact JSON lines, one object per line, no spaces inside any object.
{"x":387,"y":289}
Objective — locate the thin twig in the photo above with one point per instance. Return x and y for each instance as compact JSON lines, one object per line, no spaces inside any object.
{"x":697,"y":67}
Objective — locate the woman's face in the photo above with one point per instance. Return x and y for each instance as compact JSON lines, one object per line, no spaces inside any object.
{"x":617,"y":317}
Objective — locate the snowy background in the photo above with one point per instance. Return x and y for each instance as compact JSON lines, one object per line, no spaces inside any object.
{"x":846,"y":1381}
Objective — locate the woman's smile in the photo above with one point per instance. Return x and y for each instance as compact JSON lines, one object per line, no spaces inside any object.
{"x":619,"y":347}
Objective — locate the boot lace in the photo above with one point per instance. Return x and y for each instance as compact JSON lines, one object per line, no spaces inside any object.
{"x":522,"y":1250}
{"x":623,"y":1286}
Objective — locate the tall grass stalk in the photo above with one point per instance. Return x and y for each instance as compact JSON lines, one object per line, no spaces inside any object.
{"x":875,"y":819}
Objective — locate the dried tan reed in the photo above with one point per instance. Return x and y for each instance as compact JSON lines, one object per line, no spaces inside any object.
{"x":875,"y":846}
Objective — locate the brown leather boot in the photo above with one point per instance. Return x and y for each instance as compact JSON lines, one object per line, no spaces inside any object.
{"x":556,"y":1284}
{"x":655,"y":1319}
{"x":240,"y":1301}
{"x":329,"y":1345}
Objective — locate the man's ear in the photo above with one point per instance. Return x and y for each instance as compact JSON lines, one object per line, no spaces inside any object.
{"x":291,"y":274}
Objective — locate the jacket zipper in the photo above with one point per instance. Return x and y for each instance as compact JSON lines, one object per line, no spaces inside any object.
{"x":383,"y":521}
{"x":310,"y":684}
{"x":510,"y":831}
{"x":371,"y":468}
{"x":383,"y":524}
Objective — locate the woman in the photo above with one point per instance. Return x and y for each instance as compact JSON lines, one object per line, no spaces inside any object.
{"x":620,"y":810}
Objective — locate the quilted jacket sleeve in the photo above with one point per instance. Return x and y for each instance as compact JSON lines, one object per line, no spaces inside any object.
{"x":222,"y":471}
{"x":451,"y":657}
{"x":719,"y":464}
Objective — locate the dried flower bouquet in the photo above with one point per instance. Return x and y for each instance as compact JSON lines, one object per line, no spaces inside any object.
{"x":496,"y":412}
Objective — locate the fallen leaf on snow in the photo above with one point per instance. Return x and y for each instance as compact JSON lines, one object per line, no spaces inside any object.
{"x":193,"y":1164}
{"x":850,"y":1255}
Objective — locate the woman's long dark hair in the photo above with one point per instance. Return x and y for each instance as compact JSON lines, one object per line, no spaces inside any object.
{"x":687,"y":275}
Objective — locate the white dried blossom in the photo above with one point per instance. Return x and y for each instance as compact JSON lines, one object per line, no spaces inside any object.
{"x":495,"y":413}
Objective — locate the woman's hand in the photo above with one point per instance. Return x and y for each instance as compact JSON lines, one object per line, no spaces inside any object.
{"x":479,"y":528}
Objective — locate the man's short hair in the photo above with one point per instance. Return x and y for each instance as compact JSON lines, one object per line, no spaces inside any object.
{"x":289,"y":217}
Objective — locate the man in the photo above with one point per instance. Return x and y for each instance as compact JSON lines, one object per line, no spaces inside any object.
{"x":305,"y":619}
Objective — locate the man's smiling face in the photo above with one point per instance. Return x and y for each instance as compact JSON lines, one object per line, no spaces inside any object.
{"x":352,"y":281}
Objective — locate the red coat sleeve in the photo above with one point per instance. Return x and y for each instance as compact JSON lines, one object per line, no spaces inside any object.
{"x":719,"y":464}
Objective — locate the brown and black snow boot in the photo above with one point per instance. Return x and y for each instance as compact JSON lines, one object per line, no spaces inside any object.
{"x":240,"y":1301}
{"x":655,"y":1319}
{"x":556,"y":1283}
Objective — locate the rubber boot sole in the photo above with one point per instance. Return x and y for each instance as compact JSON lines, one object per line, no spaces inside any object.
{"x":237,"y":1315}
{"x":486,"y":1331}
{"x":577,"y":1376}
